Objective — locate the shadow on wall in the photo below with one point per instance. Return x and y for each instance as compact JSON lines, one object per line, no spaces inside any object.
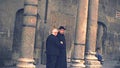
{"x":17,"y":34}
{"x":101,"y":36}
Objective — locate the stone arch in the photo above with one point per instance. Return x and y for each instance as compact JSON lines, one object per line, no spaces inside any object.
{"x":17,"y":34}
{"x":101,"y":36}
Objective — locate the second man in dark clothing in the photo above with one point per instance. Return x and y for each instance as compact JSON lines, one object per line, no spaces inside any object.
{"x":62,"y":56}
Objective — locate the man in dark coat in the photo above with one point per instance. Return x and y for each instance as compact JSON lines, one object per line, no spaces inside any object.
{"x":52,"y":49}
{"x":99,"y":56}
{"x":62,"y":57}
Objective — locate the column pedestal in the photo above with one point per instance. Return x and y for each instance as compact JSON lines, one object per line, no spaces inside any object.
{"x":92,"y":61}
{"x":25,"y":63}
{"x":78,"y":58}
{"x":77,"y":64}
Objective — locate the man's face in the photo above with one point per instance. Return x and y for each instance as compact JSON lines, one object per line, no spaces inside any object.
{"x":62,"y":31}
{"x":55,"y":32}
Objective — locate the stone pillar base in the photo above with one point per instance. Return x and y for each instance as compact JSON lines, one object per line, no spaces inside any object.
{"x":77,"y":64}
{"x":92,"y":62}
{"x":25,"y":63}
{"x":93,"y":66}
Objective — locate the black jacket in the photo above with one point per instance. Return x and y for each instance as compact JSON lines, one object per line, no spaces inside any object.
{"x":52,"y":45}
{"x":62,"y":57}
{"x":61,"y":38}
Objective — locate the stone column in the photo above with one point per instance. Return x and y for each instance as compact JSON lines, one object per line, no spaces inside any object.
{"x":80,"y":37}
{"x":28,"y":34}
{"x":91,"y":60}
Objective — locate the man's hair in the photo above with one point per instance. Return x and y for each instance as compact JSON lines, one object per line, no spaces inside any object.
{"x":62,"y":27}
{"x":54,"y":30}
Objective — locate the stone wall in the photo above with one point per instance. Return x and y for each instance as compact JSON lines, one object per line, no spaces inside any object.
{"x":60,"y":12}
{"x":113,"y":47}
{"x":107,"y":15}
{"x":8,"y":9}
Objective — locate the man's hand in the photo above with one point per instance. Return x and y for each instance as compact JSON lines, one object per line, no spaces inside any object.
{"x":61,"y":42}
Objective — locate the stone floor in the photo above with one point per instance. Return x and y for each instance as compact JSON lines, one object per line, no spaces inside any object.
{"x":37,"y":66}
{"x":107,"y":64}
{"x":111,"y":64}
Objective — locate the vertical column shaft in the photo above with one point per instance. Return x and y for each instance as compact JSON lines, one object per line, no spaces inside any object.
{"x":28,"y":34}
{"x":80,"y":37}
{"x":91,"y":61}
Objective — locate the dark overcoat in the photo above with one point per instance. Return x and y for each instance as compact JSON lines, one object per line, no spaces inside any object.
{"x":52,"y":51}
{"x":62,"y":57}
{"x":52,"y":45}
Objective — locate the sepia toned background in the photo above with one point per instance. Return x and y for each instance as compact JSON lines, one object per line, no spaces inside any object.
{"x":59,"y":12}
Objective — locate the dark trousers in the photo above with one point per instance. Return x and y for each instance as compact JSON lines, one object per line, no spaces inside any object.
{"x":51,"y":61}
{"x":62,"y":63}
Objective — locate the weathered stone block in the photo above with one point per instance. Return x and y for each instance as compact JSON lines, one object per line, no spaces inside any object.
{"x":30,"y":10}
{"x":32,"y":2}
{"x":28,"y":37}
{"x":30,"y":20}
